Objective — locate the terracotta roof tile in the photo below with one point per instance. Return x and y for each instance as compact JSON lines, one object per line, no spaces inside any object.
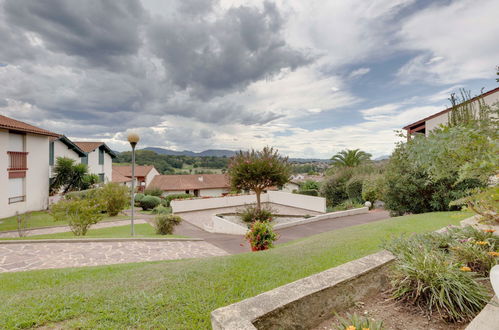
{"x":120,"y":178}
{"x":88,"y":146}
{"x":9,"y":123}
{"x":193,"y":181}
{"x":126,"y":170}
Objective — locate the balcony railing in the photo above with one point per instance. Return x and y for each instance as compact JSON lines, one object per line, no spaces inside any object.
{"x":18,"y":161}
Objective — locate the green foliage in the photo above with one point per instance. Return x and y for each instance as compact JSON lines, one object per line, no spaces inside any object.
{"x":480,"y":258}
{"x":261,"y":236}
{"x":149,"y":202}
{"x":160,"y":209}
{"x":89,"y":193}
{"x":80,"y":213}
{"x":433,"y":281}
{"x":334,"y":188}
{"x":169,"y":198}
{"x":358,"y":323}
{"x":353,"y":188}
{"x":484,"y":202}
{"x":258,"y":170}
{"x":70,"y":176}
{"x":308,"y":192}
{"x":350,"y":158}
{"x":114,"y":197}
{"x":251,"y":213}
{"x":139,"y":197}
{"x":153,"y":192}
{"x":310,"y":185}
{"x":345,"y":205}
{"x":372,"y":188}
{"x":165,"y":223}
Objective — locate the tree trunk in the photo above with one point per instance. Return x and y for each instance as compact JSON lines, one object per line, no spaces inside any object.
{"x":258,"y":192}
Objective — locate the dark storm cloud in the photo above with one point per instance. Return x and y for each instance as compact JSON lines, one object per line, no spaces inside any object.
{"x":94,"y":68}
{"x":97,"y":30}
{"x":212,"y":57}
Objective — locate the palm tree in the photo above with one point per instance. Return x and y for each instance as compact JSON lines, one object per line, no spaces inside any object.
{"x":350,"y":158}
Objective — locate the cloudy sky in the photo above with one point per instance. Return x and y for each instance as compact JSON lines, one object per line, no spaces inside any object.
{"x":308,"y":77}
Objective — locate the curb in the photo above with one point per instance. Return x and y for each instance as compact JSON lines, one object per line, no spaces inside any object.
{"x":93,"y":240}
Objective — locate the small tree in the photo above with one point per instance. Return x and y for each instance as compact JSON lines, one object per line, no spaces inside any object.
{"x":258,"y":170}
{"x":114,"y":197}
{"x":80,"y":213}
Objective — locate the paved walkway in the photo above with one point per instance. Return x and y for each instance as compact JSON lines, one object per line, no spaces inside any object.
{"x":62,"y":229}
{"x":29,"y":256}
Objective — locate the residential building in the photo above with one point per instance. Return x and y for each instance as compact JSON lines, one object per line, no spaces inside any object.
{"x":196,"y":184}
{"x":61,"y":146}
{"x":24,"y":167}
{"x":144,"y":175}
{"x":426,"y":125}
{"x":99,"y":159}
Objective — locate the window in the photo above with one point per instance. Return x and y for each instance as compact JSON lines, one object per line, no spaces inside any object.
{"x":16,"y":190}
{"x":84,"y":160}
{"x":51,"y":153}
{"x":101,"y":177}
{"x":101,"y":156}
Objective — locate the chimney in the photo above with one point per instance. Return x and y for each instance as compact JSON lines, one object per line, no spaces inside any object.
{"x":200,"y":179}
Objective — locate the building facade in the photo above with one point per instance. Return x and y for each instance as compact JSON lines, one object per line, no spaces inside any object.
{"x":199,"y":185}
{"x":99,"y":158}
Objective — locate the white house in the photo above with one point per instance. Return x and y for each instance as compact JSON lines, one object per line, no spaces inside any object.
{"x":61,"y":146}
{"x":426,"y":125}
{"x":99,"y":159}
{"x":144,"y":175}
{"x":196,"y":184}
{"x":24,"y":167}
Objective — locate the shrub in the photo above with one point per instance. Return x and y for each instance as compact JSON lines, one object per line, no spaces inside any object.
{"x":261,"y":236}
{"x":251,"y":214}
{"x":372,"y":188}
{"x":334,"y":188}
{"x":484,"y":202}
{"x":165,"y":223}
{"x":160,"y":209}
{"x":149,"y":202}
{"x":153,"y":192}
{"x":310,"y":185}
{"x":480,"y":258}
{"x":89,"y":193}
{"x":354,"y":188}
{"x":434,"y":281}
{"x":345,"y":205}
{"x":114,"y":198}
{"x":169,"y":198}
{"x":356,"y":322}
{"x":138,"y":197}
{"x":80,"y":213}
{"x":308,"y":192}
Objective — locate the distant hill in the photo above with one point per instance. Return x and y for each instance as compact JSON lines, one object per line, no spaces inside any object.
{"x":206,"y":153}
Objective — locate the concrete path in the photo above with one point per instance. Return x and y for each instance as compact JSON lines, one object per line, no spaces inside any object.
{"x":29,"y":256}
{"x":237,"y":244}
{"x":62,"y":229}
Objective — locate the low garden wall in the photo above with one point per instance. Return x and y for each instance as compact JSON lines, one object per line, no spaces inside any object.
{"x":221,"y":225}
{"x":307,"y":302}
{"x":312,"y":203}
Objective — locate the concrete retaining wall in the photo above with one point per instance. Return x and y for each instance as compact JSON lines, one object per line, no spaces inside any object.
{"x":308,"y":302}
{"x":312,"y":203}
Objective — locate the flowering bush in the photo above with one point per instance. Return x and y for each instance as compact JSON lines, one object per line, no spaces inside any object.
{"x":261,"y":236}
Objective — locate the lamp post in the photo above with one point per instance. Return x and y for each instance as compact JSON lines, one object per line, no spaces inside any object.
{"x":133,"y":139}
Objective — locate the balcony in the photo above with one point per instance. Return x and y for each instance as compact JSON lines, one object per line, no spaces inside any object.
{"x":18,"y":161}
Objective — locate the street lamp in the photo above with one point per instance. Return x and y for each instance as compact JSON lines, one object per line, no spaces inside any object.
{"x":133,"y":139}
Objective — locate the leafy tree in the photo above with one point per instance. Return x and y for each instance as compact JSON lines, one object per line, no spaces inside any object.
{"x":350,"y":158}
{"x":258,"y":170}
{"x":70,"y":176}
{"x":334,"y":187}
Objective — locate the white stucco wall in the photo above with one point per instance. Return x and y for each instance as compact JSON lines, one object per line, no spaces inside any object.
{"x":152,"y":173}
{"x":62,"y":150}
{"x":289,"y":187}
{"x":37,"y":180}
{"x":212,"y":192}
{"x":95,"y":168}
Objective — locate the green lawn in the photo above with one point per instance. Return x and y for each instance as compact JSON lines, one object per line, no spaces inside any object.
{"x":181,"y":294}
{"x":43,"y":219}
{"x":141,"y":230}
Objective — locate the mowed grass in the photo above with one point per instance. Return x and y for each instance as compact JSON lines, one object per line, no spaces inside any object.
{"x":141,"y":230}
{"x":181,"y":294}
{"x":40,"y":219}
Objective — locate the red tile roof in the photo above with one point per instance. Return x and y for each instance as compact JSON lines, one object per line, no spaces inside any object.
{"x":88,"y":146}
{"x":126,"y":170}
{"x":190,"y":182}
{"x":12,"y":124}
{"x":120,"y":178}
